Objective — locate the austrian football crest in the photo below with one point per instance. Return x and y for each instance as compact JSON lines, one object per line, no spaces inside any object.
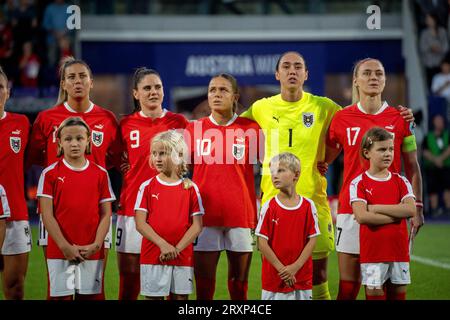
{"x":15,"y":144}
{"x":308,"y":119}
{"x":238,"y":151}
{"x":97,"y":138}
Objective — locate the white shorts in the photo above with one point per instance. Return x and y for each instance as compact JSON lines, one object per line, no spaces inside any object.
{"x":222,"y":238}
{"x":128,"y":239}
{"x":374,"y":275}
{"x":293,"y":295}
{"x":347,"y":234}
{"x":161,"y":280}
{"x":17,"y":238}
{"x":43,"y":235}
{"x":67,"y":278}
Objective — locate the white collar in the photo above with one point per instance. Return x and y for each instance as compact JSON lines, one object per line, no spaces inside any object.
{"x":69,"y":108}
{"x":379,"y":179}
{"x":289,"y":208}
{"x":235,"y":116}
{"x":76,"y":169}
{"x":383,"y":107}
{"x":170,"y":184}
{"x":164,"y":111}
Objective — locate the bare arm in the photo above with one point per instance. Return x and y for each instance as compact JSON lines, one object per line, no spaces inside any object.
{"x":268,"y":253}
{"x":367,"y":217}
{"x":406,"y":209}
{"x":2,"y":231}
{"x":69,"y":250}
{"x":290,"y":270}
{"x":192,"y":233}
{"x":102,"y":231}
{"x":147,"y":232}
{"x":412,"y":171}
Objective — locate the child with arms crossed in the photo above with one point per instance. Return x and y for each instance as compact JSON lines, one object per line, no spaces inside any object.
{"x":381,"y":202}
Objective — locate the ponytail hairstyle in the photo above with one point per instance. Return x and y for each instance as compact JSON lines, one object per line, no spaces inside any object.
{"x":234,"y":86}
{"x":72,"y":122}
{"x":374,"y":135}
{"x":65,"y":63}
{"x":174,"y":145}
{"x":355,"y":91}
{"x":140,"y":74}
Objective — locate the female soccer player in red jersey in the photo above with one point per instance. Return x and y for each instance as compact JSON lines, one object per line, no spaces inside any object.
{"x":14,"y":130}
{"x":75,"y":198}
{"x":74,"y":100}
{"x":137,"y":130}
{"x":169,"y":216}
{"x":224,"y":148}
{"x":345,"y":133}
{"x":381,"y":201}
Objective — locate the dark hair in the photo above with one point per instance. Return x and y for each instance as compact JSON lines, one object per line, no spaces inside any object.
{"x":71,"y":122}
{"x":374,"y":135}
{"x":139,"y":74}
{"x":67,"y":62}
{"x":285,"y":53}
{"x":234,"y":86}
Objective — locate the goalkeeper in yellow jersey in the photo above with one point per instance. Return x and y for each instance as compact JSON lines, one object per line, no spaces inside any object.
{"x":296,"y":121}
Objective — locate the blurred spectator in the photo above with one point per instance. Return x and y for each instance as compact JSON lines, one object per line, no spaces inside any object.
{"x":29,"y":65}
{"x":438,"y":8}
{"x":6,"y":47}
{"x":64,"y":49}
{"x":8,"y":9}
{"x":440,"y":85}
{"x":434,"y":46}
{"x":55,"y":17}
{"x":436,"y":153}
{"x":24,"y":23}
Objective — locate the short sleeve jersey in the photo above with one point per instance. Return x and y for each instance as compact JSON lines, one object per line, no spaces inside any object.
{"x":389,"y":242}
{"x":105,"y":139}
{"x":76,"y":194}
{"x":223,"y":159}
{"x":137,"y":132}
{"x":170,"y":208}
{"x":300,"y":128}
{"x":14,"y":129}
{"x":287,"y":230}
{"x":347,"y":130}
{"x":5,"y":212}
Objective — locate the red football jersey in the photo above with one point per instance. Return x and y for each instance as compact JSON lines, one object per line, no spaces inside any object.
{"x":347,"y":130}
{"x":137,"y":131}
{"x":5,"y":212}
{"x":389,"y":242}
{"x":169,"y":208}
{"x":77,"y":194}
{"x":105,"y":139}
{"x":223,"y":158}
{"x":14,"y":129}
{"x":287,"y":231}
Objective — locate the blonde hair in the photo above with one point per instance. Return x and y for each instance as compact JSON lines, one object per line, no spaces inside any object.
{"x":72,"y":122}
{"x":65,"y":63}
{"x":355,"y":92}
{"x":291,"y":161}
{"x":174,"y":144}
{"x":374,"y":135}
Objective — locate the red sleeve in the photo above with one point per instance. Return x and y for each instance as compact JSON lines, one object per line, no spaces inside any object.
{"x":406,"y":189}
{"x":115,"y":148}
{"x":196,"y":205}
{"x":357,"y":192}
{"x":106,"y":191}
{"x":37,"y":144}
{"x":332,"y":138}
{"x":46,"y":183}
{"x":142,"y":197}
{"x":5,"y":211}
{"x":262,"y":229}
{"x":313,"y":223}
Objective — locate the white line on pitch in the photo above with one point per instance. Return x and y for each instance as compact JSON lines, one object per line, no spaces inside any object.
{"x":430,"y":262}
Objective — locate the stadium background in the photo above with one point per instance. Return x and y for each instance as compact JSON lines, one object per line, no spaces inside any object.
{"x":188,"y":42}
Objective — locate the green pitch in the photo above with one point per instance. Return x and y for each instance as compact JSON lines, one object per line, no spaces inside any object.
{"x":430,"y":270}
